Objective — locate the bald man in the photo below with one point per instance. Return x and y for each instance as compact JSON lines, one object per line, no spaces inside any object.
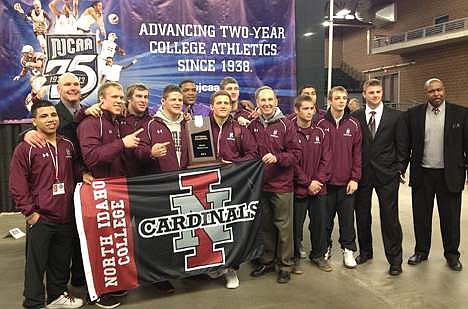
{"x":437,"y":148}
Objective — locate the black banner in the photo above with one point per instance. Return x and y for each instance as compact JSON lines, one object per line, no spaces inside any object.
{"x":165,"y":226}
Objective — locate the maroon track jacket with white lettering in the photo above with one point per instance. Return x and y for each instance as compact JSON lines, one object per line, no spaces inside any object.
{"x":315,"y":161}
{"x":226,"y":146}
{"x":156,"y":131}
{"x":101,"y":145}
{"x":32,"y":175}
{"x":346,"y":141}
{"x":280,"y":139}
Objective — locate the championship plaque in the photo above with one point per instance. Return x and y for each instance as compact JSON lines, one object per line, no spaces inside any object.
{"x":200,"y":142}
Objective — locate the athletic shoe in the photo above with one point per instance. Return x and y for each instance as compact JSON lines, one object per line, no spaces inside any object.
{"x":297,"y":268}
{"x":165,"y":287}
{"x":232,"y":282}
{"x":66,"y":300}
{"x":322,"y":264}
{"x":302,"y":252}
{"x":107,"y":301}
{"x":328,"y":253}
{"x":348,"y":259}
{"x":215,"y":274}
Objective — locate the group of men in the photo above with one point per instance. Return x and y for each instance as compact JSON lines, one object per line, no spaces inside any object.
{"x":316,"y":162}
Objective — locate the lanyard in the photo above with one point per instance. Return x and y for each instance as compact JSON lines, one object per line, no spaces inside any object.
{"x":55,"y":161}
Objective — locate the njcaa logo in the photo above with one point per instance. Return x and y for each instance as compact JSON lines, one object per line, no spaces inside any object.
{"x":200,"y":224}
{"x":75,"y":53}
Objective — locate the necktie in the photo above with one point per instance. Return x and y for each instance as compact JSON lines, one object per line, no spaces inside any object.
{"x":372,"y":123}
{"x":435,"y":110}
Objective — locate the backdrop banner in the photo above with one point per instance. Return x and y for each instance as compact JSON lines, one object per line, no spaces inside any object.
{"x":152,"y":42}
{"x":172,"y":225}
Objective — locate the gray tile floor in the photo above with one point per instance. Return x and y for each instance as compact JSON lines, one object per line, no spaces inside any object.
{"x":429,"y":285}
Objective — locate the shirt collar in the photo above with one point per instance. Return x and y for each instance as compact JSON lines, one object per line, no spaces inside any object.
{"x":441,"y":107}
{"x":378,"y":110}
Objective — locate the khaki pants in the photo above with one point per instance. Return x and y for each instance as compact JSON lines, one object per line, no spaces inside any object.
{"x":277,"y":229}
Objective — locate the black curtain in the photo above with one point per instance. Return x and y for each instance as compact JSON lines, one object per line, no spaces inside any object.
{"x":310,"y":48}
{"x":8,"y":140}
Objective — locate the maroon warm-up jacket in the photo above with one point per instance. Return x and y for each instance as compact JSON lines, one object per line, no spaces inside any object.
{"x":346,"y":141}
{"x":32,"y":175}
{"x":128,"y":125}
{"x":156,"y":131}
{"x":226,"y":146}
{"x":102,"y":146}
{"x":315,"y":161}
{"x":279,"y":138}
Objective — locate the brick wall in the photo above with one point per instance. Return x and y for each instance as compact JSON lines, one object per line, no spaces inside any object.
{"x":448,"y":62}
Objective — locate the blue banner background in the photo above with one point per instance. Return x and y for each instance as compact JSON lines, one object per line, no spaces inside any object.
{"x":157,"y":70}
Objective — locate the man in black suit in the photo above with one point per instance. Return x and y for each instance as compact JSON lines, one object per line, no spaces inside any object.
{"x":437,"y":150}
{"x":382,"y":163}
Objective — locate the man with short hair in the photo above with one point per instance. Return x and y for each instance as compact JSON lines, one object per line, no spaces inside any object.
{"x":232,"y":143}
{"x":92,"y":15}
{"x":382,"y":165}
{"x":279,"y":148}
{"x":102,"y":148}
{"x":346,"y":140}
{"x":137,"y":96}
{"x":438,"y":150}
{"x":309,"y":90}
{"x":311,"y":174}
{"x":42,"y":182}
{"x":69,"y":90}
{"x":242,"y":115}
{"x":164,"y":146}
{"x":192,"y":107}
{"x":353,"y":105}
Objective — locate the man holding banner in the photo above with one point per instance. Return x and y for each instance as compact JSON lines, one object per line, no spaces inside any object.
{"x":102,"y":148}
{"x":278,"y":145}
{"x":233,"y":143}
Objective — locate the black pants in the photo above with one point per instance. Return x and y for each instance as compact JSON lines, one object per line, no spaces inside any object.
{"x":389,"y":220}
{"x":48,"y":250}
{"x":338,"y":202}
{"x":77,"y":270}
{"x":449,"y":206}
{"x":317,"y":208}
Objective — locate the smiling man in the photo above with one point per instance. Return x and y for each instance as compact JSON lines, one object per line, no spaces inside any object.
{"x":279,"y":149}
{"x":164,"y":146}
{"x":382,"y":165}
{"x":43,"y":191}
{"x":233,"y":143}
{"x":346,"y":139}
{"x":137,"y":117}
{"x":437,"y":150}
{"x":100,"y":139}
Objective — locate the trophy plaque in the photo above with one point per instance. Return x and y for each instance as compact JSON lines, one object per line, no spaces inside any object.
{"x":200,"y":142}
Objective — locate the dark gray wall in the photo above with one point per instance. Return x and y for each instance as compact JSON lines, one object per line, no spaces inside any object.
{"x":309,"y":50}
